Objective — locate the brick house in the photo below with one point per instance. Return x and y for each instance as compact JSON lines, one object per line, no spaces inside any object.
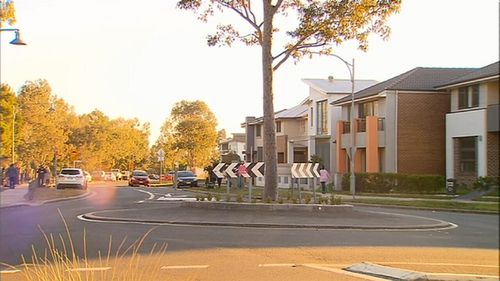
{"x":399,"y":124}
{"x":472,"y":129}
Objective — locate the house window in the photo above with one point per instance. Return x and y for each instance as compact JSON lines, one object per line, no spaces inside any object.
{"x":260,"y":154}
{"x":468,"y":97}
{"x":281,"y":157}
{"x":463,"y":98}
{"x":278,"y":126}
{"x":258,"y":132}
{"x":474,"y":96}
{"x":368,"y":109}
{"x":467,"y":153}
{"x":322,"y":117}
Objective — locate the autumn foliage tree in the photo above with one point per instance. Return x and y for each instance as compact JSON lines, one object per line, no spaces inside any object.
{"x":189,"y":135}
{"x":311,"y":26}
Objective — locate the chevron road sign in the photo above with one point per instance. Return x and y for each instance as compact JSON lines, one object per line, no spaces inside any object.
{"x":305,"y":170}
{"x":219,"y":170}
{"x":252,"y":170}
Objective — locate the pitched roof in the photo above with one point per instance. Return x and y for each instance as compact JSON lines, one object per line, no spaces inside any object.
{"x":338,"y":86}
{"x":294,"y":112}
{"x":417,"y":79}
{"x":488,"y":71}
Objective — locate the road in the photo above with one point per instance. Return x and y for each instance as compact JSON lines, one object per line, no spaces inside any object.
{"x":21,"y":227}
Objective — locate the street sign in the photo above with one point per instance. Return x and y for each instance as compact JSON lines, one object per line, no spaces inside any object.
{"x":219,"y":170}
{"x":253,"y":169}
{"x":305,"y":170}
{"x":74,"y":155}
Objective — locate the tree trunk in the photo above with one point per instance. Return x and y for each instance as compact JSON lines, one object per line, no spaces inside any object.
{"x":270,"y":158}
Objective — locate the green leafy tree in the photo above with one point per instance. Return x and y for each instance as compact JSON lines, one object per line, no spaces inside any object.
{"x":189,"y":136}
{"x":319,"y":24}
{"x":7,"y":13}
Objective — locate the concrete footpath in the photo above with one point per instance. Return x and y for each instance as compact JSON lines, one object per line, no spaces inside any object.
{"x":14,"y":197}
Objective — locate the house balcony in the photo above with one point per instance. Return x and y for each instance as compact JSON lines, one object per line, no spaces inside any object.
{"x":376,"y":127}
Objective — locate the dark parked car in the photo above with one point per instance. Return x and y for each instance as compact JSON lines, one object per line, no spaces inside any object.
{"x":186,"y":178}
{"x":138,"y":178}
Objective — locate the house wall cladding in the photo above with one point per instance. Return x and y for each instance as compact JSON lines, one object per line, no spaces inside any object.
{"x":421,"y":144}
{"x":493,"y":152}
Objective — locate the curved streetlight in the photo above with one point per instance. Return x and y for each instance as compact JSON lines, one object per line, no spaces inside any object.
{"x":17,"y":41}
{"x":352,"y":147}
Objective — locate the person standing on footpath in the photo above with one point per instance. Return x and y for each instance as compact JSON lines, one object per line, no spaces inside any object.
{"x":13,"y":175}
{"x":40,"y":176}
{"x":324,"y":177}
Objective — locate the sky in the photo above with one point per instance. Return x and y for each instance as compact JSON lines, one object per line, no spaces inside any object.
{"x":136,"y":59}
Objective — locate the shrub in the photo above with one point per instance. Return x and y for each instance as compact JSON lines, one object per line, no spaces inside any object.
{"x":268,"y":200}
{"x":253,"y":201}
{"x":209,"y":196}
{"x":396,"y":183}
{"x":228,"y":198}
{"x":217,"y":197}
{"x":484,"y":183}
{"x":280,"y":200}
{"x":307,"y":198}
{"x":294,"y":200}
{"x":239,"y":198}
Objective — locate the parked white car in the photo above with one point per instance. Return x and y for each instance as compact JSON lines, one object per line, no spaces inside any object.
{"x":71,"y":177}
{"x":117,"y":173}
{"x":109,"y":176}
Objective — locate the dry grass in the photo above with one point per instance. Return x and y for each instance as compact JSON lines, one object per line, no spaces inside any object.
{"x":60,"y":261}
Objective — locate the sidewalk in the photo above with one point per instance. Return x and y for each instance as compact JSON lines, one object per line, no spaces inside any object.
{"x":14,"y":197}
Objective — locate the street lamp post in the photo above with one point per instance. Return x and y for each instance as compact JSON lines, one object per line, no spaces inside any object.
{"x":352,"y":146}
{"x":17,"y":41}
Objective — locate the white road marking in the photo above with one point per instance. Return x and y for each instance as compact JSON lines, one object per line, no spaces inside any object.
{"x":151,"y":195}
{"x":83,"y":269}
{"x":278,"y":265}
{"x":175,"y":199}
{"x":185,"y":267}
{"x":9,"y":271}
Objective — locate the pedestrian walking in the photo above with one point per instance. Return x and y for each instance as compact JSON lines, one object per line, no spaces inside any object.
{"x":13,"y":175}
{"x":242,"y":170}
{"x":324,"y":177}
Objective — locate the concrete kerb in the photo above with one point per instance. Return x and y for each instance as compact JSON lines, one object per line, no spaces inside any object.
{"x":426,"y":209}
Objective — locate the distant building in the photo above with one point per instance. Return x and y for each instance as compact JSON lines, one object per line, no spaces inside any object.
{"x":235,"y":144}
{"x":322,"y":116}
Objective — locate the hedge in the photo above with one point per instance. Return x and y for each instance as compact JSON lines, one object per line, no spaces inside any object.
{"x":396,"y":183}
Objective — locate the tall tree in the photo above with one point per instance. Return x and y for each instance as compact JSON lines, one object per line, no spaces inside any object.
{"x":7,"y":108}
{"x":189,"y":136}
{"x":7,"y":12}
{"x":318,"y":25}
{"x":45,"y":123}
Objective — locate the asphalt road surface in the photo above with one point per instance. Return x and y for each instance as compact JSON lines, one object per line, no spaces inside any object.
{"x":24,"y":227}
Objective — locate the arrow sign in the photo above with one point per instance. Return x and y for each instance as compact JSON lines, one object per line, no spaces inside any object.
{"x":217,"y":170}
{"x":316,"y":170}
{"x":301,"y":170}
{"x":294,"y":170}
{"x":308,"y":170}
{"x":255,"y":169}
{"x":229,"y":170}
